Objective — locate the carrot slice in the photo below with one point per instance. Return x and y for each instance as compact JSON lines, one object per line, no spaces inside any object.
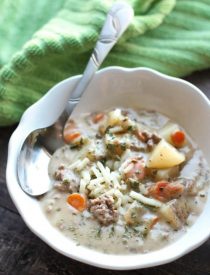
{"x":77,"y":201}
{"x":159,"y":190}
{"x":164,"y":190}
{"x":153,"y":222}
{"x":178,"y":138}
{"x":97,"y":117}
{"x":70,"y":136}
{"x":140,"y":136}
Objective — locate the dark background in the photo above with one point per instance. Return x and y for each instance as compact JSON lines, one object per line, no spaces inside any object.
{"x":22,"y":253}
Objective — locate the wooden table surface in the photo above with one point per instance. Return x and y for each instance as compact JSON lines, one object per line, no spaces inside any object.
{"x":22,"y":253}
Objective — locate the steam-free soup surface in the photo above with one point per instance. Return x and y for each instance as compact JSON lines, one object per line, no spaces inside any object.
{"x":125,"y":182}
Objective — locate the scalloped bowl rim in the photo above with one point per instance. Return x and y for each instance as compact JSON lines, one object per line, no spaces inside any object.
{"x":92,"y":257}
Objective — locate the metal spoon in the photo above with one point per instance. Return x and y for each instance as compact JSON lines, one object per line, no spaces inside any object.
{"x":44,"y":136}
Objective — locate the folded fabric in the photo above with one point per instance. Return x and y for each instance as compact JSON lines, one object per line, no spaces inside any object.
{"x":43,"y":42}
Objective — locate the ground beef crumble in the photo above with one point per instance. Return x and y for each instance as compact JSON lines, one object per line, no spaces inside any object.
{"x":150,"y":139}
{"x":103,"y":210}
{"x":66,"y":180}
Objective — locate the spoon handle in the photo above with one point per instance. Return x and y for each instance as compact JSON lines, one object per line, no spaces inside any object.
{"x":118,"y":19}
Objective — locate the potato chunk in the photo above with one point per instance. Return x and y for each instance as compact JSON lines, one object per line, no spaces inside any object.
{"x":175,"y":213}
{"x":115,"y":117}
{"x":134,"y":213}
{"x":164,"y":156}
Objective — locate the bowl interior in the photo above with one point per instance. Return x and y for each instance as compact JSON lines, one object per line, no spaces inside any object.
{"x":134,"y":88}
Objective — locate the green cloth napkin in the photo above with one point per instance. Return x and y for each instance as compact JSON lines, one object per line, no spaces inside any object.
{"x":45,"y":41}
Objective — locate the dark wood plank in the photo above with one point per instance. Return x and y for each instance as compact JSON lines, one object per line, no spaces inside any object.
{"x":22,"y":253}
{"x":201,"y":80}
{"x":5,"y":201}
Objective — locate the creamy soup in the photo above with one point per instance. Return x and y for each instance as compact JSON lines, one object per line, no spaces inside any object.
{"x":125,"y":182}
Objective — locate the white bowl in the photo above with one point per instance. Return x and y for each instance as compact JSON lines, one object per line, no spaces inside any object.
{"x":136,"y":88}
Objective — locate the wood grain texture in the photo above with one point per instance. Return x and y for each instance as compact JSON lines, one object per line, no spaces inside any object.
{"x":22,"y":253}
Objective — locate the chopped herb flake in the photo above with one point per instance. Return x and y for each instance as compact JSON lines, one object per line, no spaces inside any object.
{"x":98,"y":233}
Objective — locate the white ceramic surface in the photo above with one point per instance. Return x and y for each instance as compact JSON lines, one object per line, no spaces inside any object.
{"x":112,"y":87}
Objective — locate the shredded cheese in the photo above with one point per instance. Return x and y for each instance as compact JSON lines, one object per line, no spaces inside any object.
{"x":139,"y":197}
